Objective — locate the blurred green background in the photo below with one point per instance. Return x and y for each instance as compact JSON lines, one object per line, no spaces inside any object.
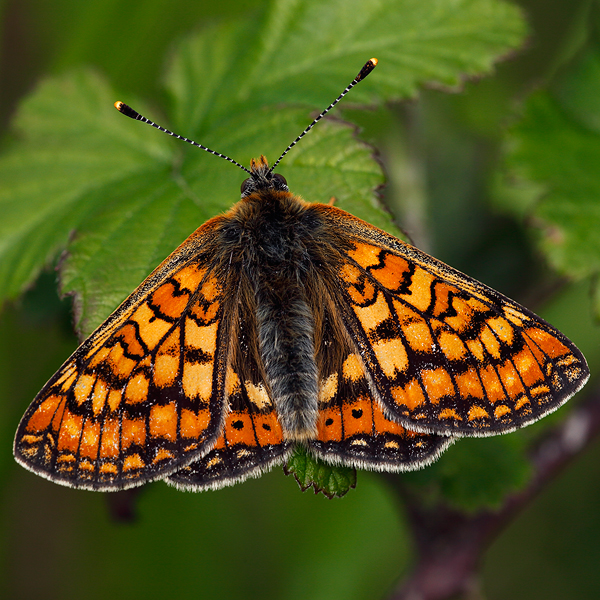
{"x":442,"y":154}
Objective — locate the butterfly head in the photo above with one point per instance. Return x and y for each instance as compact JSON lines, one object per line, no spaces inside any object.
{"x":262,"y":178}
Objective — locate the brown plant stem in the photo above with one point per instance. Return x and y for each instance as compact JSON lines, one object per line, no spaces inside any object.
{"x":450,"y":544}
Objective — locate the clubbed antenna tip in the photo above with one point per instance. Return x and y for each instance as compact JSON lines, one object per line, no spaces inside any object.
{"x":367,"y":68}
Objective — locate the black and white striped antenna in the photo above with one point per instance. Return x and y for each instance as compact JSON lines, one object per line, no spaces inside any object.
{"x":129,"y":112}
{"x":369,"y":66}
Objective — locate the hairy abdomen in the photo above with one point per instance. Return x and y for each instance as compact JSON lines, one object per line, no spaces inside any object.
{"x":286,"y":342}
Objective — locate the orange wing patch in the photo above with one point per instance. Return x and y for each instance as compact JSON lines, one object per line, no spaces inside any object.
{"x":141,"y":396}
{"x":353,"y":430}
{"x":251,"y":441}
{"x":445,"y":353}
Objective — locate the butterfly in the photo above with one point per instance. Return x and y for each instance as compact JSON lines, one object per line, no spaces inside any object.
{"x":282,"y":323}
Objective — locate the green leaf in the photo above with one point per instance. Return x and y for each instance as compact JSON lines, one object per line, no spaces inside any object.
{"x":299,"y":51}
{"x":332,"y":481}
{"x":552,"y":164}
{"x":119,"y":196}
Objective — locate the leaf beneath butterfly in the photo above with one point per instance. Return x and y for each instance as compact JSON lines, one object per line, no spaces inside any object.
{"x":119,"y":196}
{"x":332,"y":481}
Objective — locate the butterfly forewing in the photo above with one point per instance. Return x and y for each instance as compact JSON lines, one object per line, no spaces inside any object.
{"x":446,"y":353}
{"x":145,"y":393}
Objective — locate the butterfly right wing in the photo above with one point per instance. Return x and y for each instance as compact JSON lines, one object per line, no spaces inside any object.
{"x":145,"y":393}
{"x":446,"y":353}
{"x":353,"y":429}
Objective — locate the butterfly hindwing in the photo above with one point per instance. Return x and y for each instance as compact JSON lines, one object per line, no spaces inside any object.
{"x":145,"y":393}
{"x":446,"y":353}
{"x":352,"y":429}
{"x":251,"y":441}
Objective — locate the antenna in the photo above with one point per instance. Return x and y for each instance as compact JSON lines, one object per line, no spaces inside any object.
{"x":129,"y":112}
{"x":369,"y":66}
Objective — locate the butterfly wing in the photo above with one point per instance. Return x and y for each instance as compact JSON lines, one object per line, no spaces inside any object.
{"x":145,"y":393}
{"x":352,"y":429}
{"x":446,"y":353}
{"x":250,"y":444}
{"x":251,"y":441}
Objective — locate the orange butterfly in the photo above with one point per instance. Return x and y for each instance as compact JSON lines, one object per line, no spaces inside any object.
{"x":282,"y":323}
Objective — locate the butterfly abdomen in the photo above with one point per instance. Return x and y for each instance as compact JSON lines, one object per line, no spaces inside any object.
{"x":286,"y":342}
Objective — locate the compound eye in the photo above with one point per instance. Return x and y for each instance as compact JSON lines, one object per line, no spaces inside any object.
{"x":280,"y":182}
{"x":246,"y":185}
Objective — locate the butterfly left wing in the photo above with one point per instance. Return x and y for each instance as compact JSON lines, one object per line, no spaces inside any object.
{"x":145,"y":393}
{"x":251,"y":441}
{"x":446,"y":353}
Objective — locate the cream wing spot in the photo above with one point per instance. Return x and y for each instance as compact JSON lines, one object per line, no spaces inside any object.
{"x":151,"y":328}
{"x":83,"y":388}
{"x":420,"y":290}
{"x":166,"y":369}
{"x":352,"y":368}
{"x":211,"y":289}
{"x":166,"y":363}
{"x":502,"y":328}
{"x":137,"y":389}
{"x":197,"y":380}
{"x":451,"y":346}
{"x":99,"y":396}
{"x":189,"y":277}
{"x":119,"y":364}
{"x":202,"y":338}
{"x":476,"y":349}
{"x":374,"y":314}
{"x":418,"y":336}
{"x":114,"y":399}
{"x":232,"y":382}
{"x":257,"y":394}
{"x":193,"y":425}
{"x":328,"y":389}
{"x":437,"y":384}
{"x":392,"y":357}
